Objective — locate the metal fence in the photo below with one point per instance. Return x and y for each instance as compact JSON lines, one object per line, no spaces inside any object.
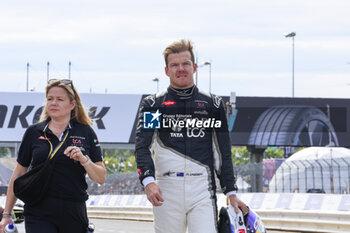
{"x":119,"y":183}
{"x":304,"y":176}
{"x":314,"y":175}
{"x":321,"y":175}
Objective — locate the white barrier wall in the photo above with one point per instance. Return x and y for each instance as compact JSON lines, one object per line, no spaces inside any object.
{"x":118,"y":200}
{"x":265,"y":201}
{"x":287,"y":201}
{"x":321,"y":213}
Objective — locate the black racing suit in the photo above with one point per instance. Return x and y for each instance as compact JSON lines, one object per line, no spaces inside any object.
{"x":191,"y":145}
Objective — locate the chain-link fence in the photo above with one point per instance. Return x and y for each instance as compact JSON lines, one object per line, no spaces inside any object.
{"x":272,"y":175}
{"x":314,"y":175}
{"x":119,"y":183}
{"x":256,"y":177}
{"x":305,"y":176}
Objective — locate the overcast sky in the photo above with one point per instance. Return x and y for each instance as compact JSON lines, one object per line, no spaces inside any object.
{"x":116,"y":46}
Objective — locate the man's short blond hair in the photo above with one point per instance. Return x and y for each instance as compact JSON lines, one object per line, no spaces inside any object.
{"x":178,"y":47}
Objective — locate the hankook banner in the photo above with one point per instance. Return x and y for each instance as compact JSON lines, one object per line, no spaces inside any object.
{"x":114,"y":114}
{"x":255,"y":121}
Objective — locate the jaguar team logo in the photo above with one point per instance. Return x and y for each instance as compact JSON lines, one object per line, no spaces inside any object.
{"x":151,"y":120}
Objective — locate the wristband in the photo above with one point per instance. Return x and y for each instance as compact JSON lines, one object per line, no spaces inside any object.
{"x":88,"y":161}
{"x":6,"y":214}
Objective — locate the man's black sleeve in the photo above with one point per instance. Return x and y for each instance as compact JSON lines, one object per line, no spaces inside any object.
{"x":222,"y":149}
{"x":143,"y":141}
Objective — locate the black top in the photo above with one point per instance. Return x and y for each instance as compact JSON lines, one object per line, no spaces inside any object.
{"x":209,"y":147}
{"x":68,"y":181}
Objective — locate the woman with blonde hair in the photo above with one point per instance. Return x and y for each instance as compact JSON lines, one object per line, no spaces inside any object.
{"x":63,"y":122}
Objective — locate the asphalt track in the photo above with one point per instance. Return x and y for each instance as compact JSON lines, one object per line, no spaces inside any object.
{"x":119,"y":226}
{"x":113,"y":226}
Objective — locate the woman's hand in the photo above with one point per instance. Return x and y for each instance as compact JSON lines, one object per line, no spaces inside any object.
{"x":10,"y":197}
{"x":75,"y":153}
{"x":96,"y":171}
{"x":4,"y":222}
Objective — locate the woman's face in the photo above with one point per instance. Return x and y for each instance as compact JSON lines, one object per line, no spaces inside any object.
{"x":58,"y":104}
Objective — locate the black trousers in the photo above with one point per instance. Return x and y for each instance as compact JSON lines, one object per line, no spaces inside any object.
{"x":53,"y":215}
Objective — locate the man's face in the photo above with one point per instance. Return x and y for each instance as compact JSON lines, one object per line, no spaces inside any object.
{"x":180,"y":70}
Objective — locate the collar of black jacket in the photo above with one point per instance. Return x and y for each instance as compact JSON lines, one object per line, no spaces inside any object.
{"x":183,"y":93}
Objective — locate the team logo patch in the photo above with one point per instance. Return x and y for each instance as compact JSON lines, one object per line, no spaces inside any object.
{"x":167,"y":103}
{"x":151,"y":120}
{"x":200,"y":105}
{"x":140,"y":172}
{"x":76,"y":141}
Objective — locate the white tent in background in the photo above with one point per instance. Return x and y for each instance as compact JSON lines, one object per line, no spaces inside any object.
{"x":5,"y":175}
{"x":242,"y":185}
{"x":325,"y":168}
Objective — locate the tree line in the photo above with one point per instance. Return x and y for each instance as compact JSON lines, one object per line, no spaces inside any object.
{"x":124,"y":160}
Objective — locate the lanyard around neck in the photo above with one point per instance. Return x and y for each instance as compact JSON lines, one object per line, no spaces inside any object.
{"x":52,"y":153}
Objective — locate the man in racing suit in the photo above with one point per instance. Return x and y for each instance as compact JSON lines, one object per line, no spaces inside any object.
{"x":186,"y":131}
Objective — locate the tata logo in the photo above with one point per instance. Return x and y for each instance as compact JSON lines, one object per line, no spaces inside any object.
{"x":151,"y":120}
{"x":176,"y":135}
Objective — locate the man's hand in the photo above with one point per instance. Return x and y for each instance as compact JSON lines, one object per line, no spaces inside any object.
{"x":237,"y":204}
{"x":154,"y":194}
